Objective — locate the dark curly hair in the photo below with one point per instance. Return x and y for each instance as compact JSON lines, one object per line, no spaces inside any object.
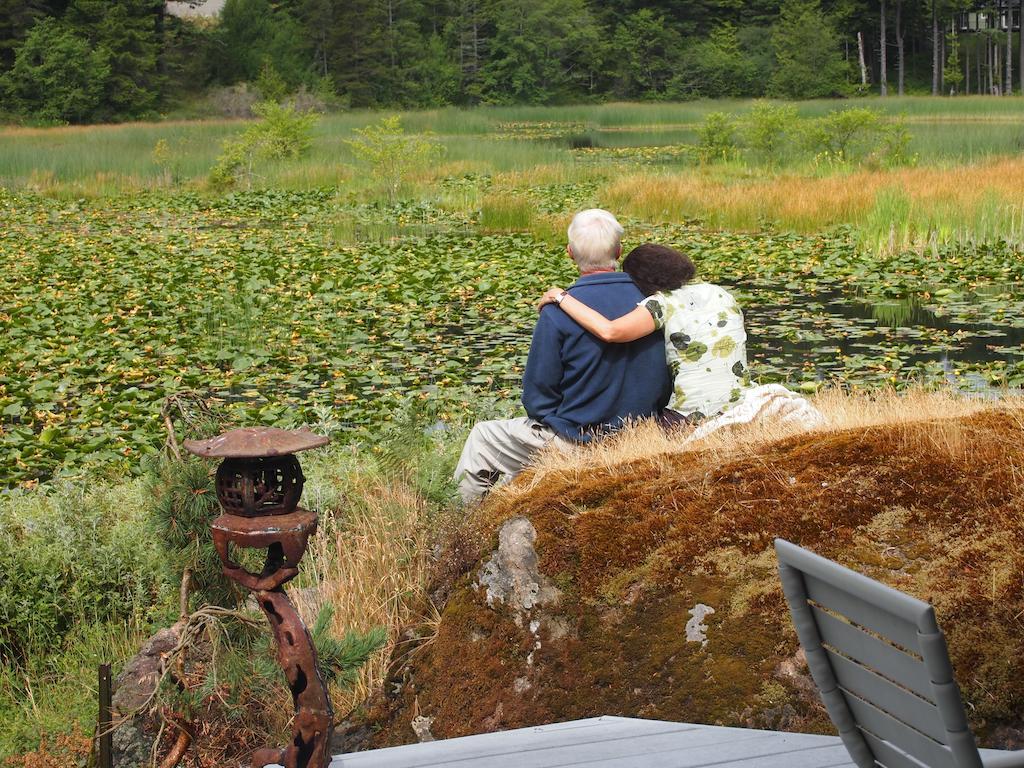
{"x":656,"y":268}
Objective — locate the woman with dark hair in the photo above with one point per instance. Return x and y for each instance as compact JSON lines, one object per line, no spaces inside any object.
{"x":705,"y":343}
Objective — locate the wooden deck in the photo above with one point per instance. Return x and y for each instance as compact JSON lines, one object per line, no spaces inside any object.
{"x":613,"y":742}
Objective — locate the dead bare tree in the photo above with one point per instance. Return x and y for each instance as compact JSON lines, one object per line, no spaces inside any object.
{"x":860,"y":57}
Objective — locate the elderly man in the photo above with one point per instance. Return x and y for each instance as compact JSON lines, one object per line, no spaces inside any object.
{"x":575,"y":387}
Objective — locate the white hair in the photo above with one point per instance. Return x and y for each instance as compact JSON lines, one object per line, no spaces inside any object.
{"x":595,"y":238}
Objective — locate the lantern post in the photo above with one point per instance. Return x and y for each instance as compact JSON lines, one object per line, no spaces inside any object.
{"x":259,"y":483}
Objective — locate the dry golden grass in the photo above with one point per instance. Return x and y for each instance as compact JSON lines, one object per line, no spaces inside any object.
{"x":809,"y":204}
{"x":371,"y":563}
{"x":647,"y":443}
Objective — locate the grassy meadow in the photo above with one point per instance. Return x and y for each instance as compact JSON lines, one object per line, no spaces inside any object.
{"x":313,"y":296}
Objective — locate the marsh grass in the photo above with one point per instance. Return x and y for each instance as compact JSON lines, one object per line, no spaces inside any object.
{"x":101,"y":160}
{"x":506,"y":213}
{"x":891,"y":209}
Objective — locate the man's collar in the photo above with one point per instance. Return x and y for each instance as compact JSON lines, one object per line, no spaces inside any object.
{"x":603,"y":277}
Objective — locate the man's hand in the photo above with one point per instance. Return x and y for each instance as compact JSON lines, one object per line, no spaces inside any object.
{"x":549,"y":297}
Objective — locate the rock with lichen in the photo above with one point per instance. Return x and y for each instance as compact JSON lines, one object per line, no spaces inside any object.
{"x":649,"y":589}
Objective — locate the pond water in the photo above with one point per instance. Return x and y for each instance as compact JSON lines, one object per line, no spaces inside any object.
{"x":837,"y":336}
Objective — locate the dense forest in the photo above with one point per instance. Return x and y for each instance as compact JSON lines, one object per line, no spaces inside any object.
{"x":100,"y":60}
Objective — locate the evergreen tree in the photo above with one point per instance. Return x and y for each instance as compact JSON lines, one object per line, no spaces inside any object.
{"x":16,"y":17}
{"x":809,"y":62}
{"x":719,"y":67}
{"x":645,"y":56}
{"x":187,"y":49}
{"x":129,"y":32}
{"x":57,"y":75}
{"x":254,"y":33}
{"x":358,"y":58}
{"x":542,"y":51}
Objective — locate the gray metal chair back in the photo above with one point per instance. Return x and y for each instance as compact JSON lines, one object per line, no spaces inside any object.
{"x":881,"y":664}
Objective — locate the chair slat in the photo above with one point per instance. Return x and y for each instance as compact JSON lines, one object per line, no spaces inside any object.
{"x":888,"y":755}
{"x":919,"y":746}
{"x":899,"y":702}
{"x":873,"y":653}
{"x":886,"y":624}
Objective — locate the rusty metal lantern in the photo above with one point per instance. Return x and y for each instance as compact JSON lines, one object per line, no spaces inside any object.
{"x":259,"y":484}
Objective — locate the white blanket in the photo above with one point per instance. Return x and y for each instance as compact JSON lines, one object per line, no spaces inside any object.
{"x":768,"y":401}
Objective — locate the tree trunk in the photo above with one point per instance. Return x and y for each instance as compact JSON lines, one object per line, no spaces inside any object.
{"x":391,"y":32}
{"x":977,"y":63}
{"x":863,"y":64}
{"x":942,"y":63}
{"x":988,"y":64}
{"x":1008,"y":68}
{"x":936,"y":64}
{"x":1020,"y":45}
{"x":967,"y":72}
{"x":899,"y":46}
{"x":883,"y":78}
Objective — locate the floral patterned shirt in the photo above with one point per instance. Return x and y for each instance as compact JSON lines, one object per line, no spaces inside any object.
{"x":705,"y":346}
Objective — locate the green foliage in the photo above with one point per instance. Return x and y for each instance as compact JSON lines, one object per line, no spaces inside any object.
{"x":767,"y":130}
{"x":183,"y":502}
{"x":716,"y":138}
{"x":252,"y":33}
{"x":855,"y":135}
{"x":720,"y":68}
{"x":810,"y":63}
{"x":646,"y":59}
{"x":340,"y":659}
{"x":540,"y":51}
{"x":127,"y":32}
{"x":57,"y":75}
{"x":270,"y":84}
{"x":845,"y":135}
{"x":391,"y":152}
{"x":70,"y":557}
{"x":953,"y":72}
{"x":895,"y":148}
{"x":16,"y":18}
{"x":55,"y":688}
{"x":282,"y":133}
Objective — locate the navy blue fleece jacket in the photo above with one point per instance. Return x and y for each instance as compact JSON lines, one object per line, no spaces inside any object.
{"x":579,"y":385}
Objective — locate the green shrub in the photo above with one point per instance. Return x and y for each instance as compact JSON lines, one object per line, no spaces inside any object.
{"x":270,"y":84}
{"x":70,"y":557}
{"x":391,"y":152}
{"x":716,"y":138}
{"x":894,"y":149}
{"x":768,"y":130}
{"x":283,"y":133}
{"x":845,"y":135}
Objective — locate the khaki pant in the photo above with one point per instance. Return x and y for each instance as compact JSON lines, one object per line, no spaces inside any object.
{"x":497,"y":451}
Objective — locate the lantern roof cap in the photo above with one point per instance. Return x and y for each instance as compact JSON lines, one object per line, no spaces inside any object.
{"x":255,"y":442}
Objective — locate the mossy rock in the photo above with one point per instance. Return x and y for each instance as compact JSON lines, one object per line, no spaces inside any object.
{"x":935,"y":508}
